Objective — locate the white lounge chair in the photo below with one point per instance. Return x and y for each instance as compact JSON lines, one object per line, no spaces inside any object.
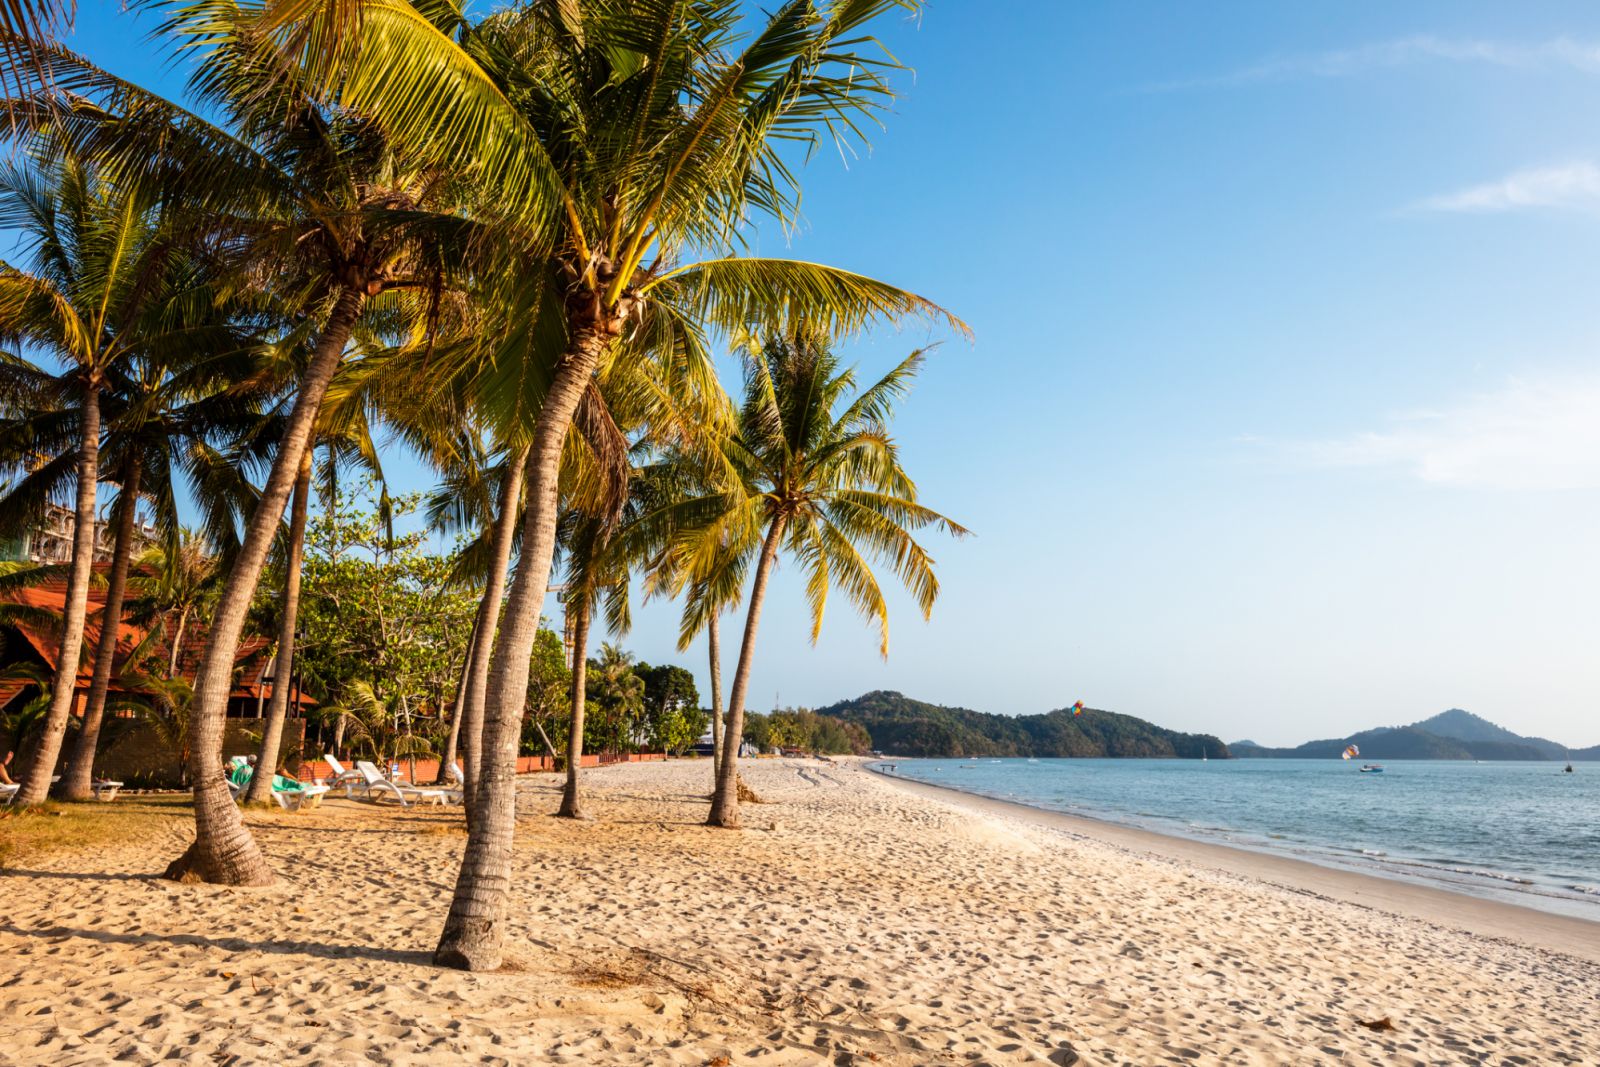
{"x":105,"y":790}
{"x":376,"y":782}
{"x":8,"y":793}
{"x":341,"y":776}
{"x":295,"y":799}
{"x":458,"y":782}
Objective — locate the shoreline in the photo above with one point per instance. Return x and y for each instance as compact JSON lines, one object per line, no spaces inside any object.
{"x":1499,"y":920}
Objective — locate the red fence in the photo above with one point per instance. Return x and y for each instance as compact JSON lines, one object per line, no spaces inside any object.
{"x":427,"y":770}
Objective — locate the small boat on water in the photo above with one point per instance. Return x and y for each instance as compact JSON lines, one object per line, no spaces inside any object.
{"x":1372,"y":768}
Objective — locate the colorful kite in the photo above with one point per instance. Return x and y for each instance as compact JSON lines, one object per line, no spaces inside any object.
{"x":1351,"y":752}
{"x":1077,"y":709}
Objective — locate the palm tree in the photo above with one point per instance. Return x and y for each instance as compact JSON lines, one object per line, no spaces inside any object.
{"x":826,"y":483}
{"x":612,"y":137}
{"x":175,"y":585}
{"x":477,"y":495}
{"x":260,"y":788}
{"x":618,"y":693}
{"x":93,"y":299}
{"x":26,"y":26}
{"x":318,"y":209}
{"x":345,"y":433}
{"x":162,"y":407}
{"x":595,"y":569}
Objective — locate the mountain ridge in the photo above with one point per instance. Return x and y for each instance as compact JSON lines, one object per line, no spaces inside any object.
{"x":1453,"y":734}
{"x":903,"y":726}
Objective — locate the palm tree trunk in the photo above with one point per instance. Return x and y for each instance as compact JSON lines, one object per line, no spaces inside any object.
{"x":78,"y":781}
{"x":177,"y":642}
{"x":725,"y":802}
{"x":452,"y":743}
{"x":260,"y":790}
{"x":714,"y":641}
{"x":483,"y":642}
{"x":36,"y":783}
{"x":473,"y":932}
{"x":571,"y":805}
{"x":223,"y":851}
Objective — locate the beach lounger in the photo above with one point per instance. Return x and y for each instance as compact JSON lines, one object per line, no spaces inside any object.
{"x":290,"y":794}
{"x":105,"y":790}
{"x":294,"y":799}
{"x":341,"y":776}
{"x":377,"y":784}
{"x":8,"y":793}
{"x":458,"y":783}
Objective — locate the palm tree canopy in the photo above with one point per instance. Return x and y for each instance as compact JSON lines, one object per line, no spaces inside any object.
{"x":813,"y":452}
{"x":609,"y":143}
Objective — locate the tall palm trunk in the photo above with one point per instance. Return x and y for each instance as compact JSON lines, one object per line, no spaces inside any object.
{"x":714,"y":643}
{"x":483,"y":642}
{"x":36,"y":785}
{"x":223,"y":851}
{"x":571,"y":803}
{"x":78,"y":781}
{"x":453,"y":741}
{"x":725,"y":802}
{"x":260,"y":789}
{"x":473,"y":931}
{"x":177,"y":642}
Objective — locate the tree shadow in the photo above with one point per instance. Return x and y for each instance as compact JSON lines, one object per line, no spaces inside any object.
{"x":232,"y":944}
{"x":88,"y":876}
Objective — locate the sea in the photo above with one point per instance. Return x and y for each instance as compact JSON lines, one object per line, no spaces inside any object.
{"x":1526,"y":833}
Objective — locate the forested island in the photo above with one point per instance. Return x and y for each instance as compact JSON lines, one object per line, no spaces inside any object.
{"x":901,"y":726}
{"x":1453,"y":735}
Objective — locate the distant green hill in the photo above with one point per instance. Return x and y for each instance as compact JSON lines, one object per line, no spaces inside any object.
{"x":1465,"y":726}
{"x":1453,"y":734}
{"x":901,"y":726}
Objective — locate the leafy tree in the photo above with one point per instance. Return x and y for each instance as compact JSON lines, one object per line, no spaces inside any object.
{"x":667,"y":688}
{"x":673,"y":719}
{"x":379,"y":610}
{"x":757,"y":729}
{"x":549,"y":693}
{"x":673,"y":731}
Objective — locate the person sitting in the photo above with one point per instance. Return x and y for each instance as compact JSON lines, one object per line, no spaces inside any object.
{"x":5,"y":770}
{"x":241,"y":774}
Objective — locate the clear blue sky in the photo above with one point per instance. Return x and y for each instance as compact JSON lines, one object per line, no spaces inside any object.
{"x":1283,"y":415}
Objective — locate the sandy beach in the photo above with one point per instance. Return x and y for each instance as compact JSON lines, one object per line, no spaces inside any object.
{"x":855,"y":920}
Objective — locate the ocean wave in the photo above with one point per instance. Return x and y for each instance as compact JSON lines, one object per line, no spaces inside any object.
{"x":1449,"y":867}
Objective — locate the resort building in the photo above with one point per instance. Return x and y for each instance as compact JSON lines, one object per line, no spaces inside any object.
{"x":144,"y":729}
{"x":50,"y":539}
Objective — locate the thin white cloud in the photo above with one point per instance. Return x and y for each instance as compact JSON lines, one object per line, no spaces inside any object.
{"x":1567,"y":187}
{"x":1526,"y":436}
{"x":1558,"y":53}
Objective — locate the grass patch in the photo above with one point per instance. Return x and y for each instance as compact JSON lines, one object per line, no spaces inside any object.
{"x":29,"y":833}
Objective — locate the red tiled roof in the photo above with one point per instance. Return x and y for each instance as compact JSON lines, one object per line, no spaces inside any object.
{"x":51,"y":595}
